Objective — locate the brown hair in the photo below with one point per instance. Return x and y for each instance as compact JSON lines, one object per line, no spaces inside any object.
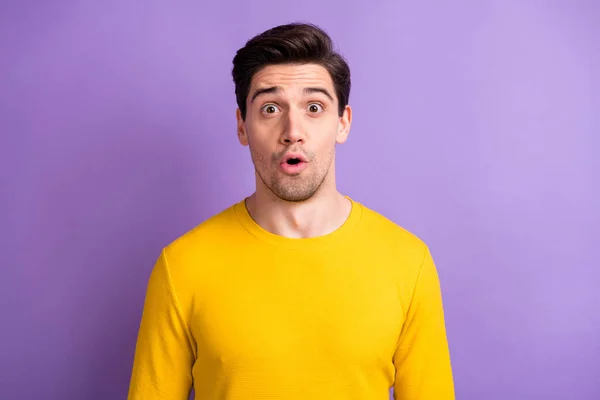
{"x":295,"y":43}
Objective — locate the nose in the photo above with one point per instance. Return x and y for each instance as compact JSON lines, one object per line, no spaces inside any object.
{"x":293,"y":131}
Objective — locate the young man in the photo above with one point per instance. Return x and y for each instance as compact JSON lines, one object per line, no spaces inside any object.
{"x":297,"y":292}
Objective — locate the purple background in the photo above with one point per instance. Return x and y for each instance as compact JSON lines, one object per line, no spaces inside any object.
{"x":476,"y":126}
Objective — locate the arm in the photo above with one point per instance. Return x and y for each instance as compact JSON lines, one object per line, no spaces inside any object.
{"x":422,"y":359}
{"x":164,"y":354}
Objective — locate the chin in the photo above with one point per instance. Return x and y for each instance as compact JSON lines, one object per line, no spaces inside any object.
{"x":296,"y":199}
{"x":293,"y":196}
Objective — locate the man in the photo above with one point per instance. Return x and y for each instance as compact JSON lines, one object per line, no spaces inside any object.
{"x":296,"y":292}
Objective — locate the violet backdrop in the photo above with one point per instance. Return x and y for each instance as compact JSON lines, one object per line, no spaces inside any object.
{"x":476,"y":126}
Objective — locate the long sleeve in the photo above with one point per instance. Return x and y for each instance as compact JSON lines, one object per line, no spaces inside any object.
{"x":165,"y":349}
{"x":422,"y":359}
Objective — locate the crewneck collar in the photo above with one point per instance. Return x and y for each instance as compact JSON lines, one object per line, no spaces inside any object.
{"x":318,"y":242}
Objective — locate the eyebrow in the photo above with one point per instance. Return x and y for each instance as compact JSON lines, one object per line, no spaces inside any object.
{"x":312,"y":90}
{"x":306,"y":91}
{"x":267,"y":90}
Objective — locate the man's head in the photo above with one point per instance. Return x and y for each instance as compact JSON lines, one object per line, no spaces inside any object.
{"x":292,"y":92}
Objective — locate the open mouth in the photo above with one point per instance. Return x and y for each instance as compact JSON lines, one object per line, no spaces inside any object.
{"x":293,"y":164}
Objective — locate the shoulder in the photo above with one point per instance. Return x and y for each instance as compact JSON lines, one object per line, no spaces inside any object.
{"x":187,"y":256}
{"x":390,"y":233}
{"x":222,"y":221}
{"x":401,"y":252}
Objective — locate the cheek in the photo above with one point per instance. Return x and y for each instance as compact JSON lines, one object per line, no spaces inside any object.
{"x":326,"y":147}
{"x":261,"y":135}
{"x":258,"y":150}
{"x":331,"y":127}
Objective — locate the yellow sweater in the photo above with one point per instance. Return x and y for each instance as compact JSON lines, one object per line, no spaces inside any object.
{"x":240,"y":313}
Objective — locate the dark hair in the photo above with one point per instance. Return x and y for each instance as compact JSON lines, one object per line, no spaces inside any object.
{"x":295,"y":43}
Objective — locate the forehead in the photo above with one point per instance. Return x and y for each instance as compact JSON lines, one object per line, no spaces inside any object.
{"x":292,"y":77}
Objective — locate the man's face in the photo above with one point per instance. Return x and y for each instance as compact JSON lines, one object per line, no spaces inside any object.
{"x":292,"y":126}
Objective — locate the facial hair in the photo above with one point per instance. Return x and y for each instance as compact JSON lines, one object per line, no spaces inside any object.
{"x":297,"y":188}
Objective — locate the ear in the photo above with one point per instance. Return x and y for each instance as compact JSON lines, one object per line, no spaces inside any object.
{"x":344,"y":125}
{"x":241,"y":128}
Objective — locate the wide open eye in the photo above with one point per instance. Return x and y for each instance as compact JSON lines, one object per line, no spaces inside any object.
{"x":270,"y":109}
{"x":315,"y":108}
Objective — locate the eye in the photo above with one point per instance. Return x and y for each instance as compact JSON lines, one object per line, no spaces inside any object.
{"x":314,"y":108}
{"x":270,"y":109}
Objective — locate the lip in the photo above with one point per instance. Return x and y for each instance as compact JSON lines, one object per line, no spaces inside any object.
{"x":289,"y":156}
{"x":294,"y":169}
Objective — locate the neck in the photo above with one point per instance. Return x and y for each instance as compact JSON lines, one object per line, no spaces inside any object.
{"x":320,"y":215}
